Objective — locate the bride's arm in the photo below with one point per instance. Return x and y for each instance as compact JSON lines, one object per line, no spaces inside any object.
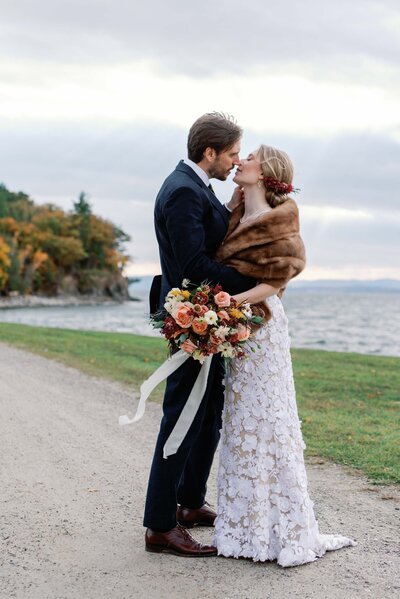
{"x":256,"y":294}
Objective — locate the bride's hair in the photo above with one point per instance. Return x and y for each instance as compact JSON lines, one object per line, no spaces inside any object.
{"x":275,"y":164}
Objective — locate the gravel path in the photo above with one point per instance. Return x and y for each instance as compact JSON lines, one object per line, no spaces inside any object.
{"x":72,"y":492}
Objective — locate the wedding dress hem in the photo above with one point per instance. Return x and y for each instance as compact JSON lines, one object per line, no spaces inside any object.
{"x":286,"y":558}
{"x":264,"y":510}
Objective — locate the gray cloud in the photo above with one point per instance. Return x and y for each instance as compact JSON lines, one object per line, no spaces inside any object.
{"x":372,"y":244}
{"x":356,"y":171}
{"x":127,"y":161}
{"x":333,"y":40}
{"x":361,"y":171}
{"x":122,"y":168}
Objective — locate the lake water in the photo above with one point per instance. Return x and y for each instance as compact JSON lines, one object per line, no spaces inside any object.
{"x":367,"y":323}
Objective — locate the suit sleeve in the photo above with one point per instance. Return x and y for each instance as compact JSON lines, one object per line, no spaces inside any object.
{"x":184,"y":214}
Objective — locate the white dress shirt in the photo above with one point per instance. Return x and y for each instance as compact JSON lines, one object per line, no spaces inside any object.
{"x":198,"y":170}
{"x":202,"y":174}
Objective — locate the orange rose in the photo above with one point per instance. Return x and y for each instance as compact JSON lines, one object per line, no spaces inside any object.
{"x":184,"y":316}
{"x":223,"y":315}
{"x":243,"y":332}
{"x":222,"y":299}
{"x":199,"y":326}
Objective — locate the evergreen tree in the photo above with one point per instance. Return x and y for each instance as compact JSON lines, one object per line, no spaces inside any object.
{"x":82,"y":206}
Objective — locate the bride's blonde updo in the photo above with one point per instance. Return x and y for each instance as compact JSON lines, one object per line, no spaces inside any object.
{"x":277,"y":169}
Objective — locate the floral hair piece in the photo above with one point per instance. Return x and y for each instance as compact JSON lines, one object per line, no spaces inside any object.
{"x":278,"y":187}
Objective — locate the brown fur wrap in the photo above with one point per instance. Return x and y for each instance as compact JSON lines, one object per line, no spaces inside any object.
{"x":268,"y":248}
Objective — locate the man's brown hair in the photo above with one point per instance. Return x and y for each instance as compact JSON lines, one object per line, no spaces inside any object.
{"x":212,"y":130}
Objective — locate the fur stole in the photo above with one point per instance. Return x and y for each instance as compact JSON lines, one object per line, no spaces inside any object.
{"x":268,"y":248}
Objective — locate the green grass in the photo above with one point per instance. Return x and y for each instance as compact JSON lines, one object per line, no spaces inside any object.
{"x":122,"y":357}
{"x":349,"y":403}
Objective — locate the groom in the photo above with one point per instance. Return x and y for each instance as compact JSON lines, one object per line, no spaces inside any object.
{"x":190,"y":225}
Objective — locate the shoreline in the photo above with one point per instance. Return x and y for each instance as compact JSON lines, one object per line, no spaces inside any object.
{"x":60,"y":301}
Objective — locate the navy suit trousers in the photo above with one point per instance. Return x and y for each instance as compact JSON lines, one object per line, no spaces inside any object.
{"x":182,"y":478}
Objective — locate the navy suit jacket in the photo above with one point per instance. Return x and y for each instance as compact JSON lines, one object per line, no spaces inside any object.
{"x":190,"y":225}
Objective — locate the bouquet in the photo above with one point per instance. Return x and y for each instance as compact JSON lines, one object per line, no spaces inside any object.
{"x":204,"y":321}
{"x":197,"y":323}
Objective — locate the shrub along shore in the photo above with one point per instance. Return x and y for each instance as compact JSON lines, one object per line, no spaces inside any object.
{"x":348,"y":403}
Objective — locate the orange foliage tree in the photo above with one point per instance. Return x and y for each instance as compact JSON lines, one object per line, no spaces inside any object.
{"x":5,"y":262}
{"x":44,"y":249}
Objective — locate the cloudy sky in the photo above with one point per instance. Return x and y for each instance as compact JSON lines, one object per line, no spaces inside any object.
{"x":99,"y":95}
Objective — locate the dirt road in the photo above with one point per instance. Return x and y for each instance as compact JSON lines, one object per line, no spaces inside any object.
{"x":72,"y":494}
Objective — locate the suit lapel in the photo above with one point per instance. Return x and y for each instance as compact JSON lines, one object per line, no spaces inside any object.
{"x":214,"y":200}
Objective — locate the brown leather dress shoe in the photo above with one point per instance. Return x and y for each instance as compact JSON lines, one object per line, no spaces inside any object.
{"x":189,"y":517}
{"x":177,"y":541}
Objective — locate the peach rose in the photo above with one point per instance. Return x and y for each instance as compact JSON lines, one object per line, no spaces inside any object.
{"x":183,"y":316}
{"x":199,"y":326}
{"x":243,"y":332}
{"x":222,"y":299}
{"x":223,"y":315}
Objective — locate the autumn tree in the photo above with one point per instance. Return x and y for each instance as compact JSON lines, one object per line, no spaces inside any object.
{"x":5,"y":263}
{"x":43,"y":246}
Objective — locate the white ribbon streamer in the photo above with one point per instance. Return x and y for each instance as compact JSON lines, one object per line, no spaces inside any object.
{"x":189,"y":411}
{"x":192,"y":404}
{"x":162,"y":372}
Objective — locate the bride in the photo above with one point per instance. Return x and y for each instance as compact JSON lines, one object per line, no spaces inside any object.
{"x":264,"y":510}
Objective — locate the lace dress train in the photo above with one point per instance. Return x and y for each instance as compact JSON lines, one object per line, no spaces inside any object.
{"x":264,"y":510}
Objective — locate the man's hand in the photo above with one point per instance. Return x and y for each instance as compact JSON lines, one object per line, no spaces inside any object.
{"x":188,"y":346}
{"x":236,"y":199}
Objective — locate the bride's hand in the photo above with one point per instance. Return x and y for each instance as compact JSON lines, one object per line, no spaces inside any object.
{"x":241,"y":298}
{"x":257,"y":294}
{"x":236,"y":199}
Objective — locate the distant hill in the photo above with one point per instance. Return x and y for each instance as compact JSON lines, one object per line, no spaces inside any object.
{"x":379,"y":285}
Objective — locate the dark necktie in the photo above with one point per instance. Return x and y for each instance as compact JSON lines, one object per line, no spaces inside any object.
{"x":210,"y":187}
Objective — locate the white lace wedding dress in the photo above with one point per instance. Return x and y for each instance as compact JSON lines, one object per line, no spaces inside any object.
{"x":264,"y":510}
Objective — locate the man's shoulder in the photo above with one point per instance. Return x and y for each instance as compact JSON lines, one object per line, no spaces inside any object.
{"x":182,"y":176}
{"x":179,"y":179}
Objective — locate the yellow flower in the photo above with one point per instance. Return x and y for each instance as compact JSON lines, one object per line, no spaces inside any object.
{"x":186,"y":294}
{"x":236,"y":313}
{"x":176,"y":293}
